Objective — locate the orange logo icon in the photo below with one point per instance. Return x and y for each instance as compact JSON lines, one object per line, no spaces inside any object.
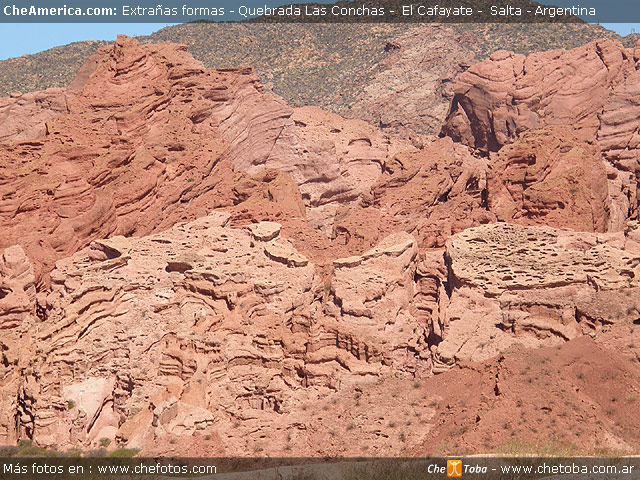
{"x":454,"y":468}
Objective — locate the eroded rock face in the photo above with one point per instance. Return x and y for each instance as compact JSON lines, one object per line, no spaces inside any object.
{"x":164,"y":144}
{"x":548,"y":177}
{"x":433,"y":193}
{"x":590,"y":89}
{"x":17,"y":316}
{"x":532,"y":286}
{"x":376,"y":308}
{"x":223,"y":327}
{"x":189,"y":266}
{"x":200,"y":331}
{"x":509,"y":93}
{"x":17,"y":289}
{"x":26,"y":116}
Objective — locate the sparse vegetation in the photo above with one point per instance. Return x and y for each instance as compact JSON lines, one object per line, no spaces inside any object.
{"x":551,"y":448}
{"x":353,"y":55}
{"x":124,"y":453}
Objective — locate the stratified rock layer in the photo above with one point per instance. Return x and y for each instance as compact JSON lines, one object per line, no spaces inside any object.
{"x":163,"y":146}
{"x":591,"y":89}
{"x":189,"y":266}
{"x":206,"y":323}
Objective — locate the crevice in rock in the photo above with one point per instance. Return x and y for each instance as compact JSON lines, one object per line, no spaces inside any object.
{"x":450,"y":282}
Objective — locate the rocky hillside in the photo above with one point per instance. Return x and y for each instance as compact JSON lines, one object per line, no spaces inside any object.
{"x":396,"y":76}
{"x":191,"y":266}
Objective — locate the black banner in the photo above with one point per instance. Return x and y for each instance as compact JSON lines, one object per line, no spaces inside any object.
{"x":59,"y":468}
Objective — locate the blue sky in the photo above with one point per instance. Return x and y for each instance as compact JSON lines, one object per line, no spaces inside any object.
{"x":42,"y":36}
{"x":36,"y":37}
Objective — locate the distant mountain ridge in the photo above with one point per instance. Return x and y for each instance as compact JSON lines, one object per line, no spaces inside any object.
{"x":345,"y":68}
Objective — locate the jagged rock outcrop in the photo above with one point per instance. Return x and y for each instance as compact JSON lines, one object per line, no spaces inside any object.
{"x":590,"y":89}
{"x":547,"y":177}
{"x":164,"y":144}
{"x":433,"y":193}
{"x":17,"y":317}
{"x":17,"y":289}
{"x":186,"y":332}
{"x":362,"y":304}
{"x":501,"y":97}
{"x":179,"y":331}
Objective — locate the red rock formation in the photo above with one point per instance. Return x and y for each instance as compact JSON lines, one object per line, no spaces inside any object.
{"x":17,"y":290}
{"x":205,"y":329}
{"x":533,"y":286}
{"x":548,"y":177}
{"x":23,"y":117}
{"x":433,"y":193}
{"x":590,"y":89}
{"x":230,"y":322}
{"x":155,"y":150}
{"x":17,"y":319}
{"x":191,"y":266}
{"x":499,"y":98}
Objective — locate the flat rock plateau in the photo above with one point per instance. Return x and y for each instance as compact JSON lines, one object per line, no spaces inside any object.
{"x":191,"y":266}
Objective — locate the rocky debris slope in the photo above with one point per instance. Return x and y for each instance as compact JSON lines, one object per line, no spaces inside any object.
{"x":561,"y":401}
{"x":591,"y":89}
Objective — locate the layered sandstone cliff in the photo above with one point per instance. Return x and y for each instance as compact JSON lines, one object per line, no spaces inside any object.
{"x":163,"y":145}
{"x":591,"y":90}
{"x":190,"y":266}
